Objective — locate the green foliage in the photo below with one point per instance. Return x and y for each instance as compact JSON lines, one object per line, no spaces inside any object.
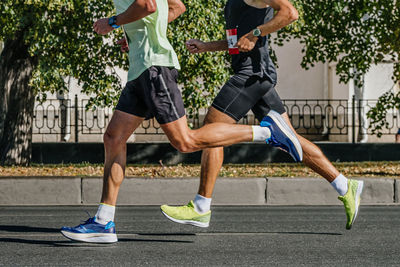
{"x":202,"y":75}
{"x":355,"y":34}
{"x":387,"y":102}
{"x":59,"y":34}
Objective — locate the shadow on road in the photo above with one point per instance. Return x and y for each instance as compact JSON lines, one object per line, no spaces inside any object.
{"x":68,"y":243}
{"x":27,"y":229}
{"x":153,"y":240}
{"x":303,"y":233}
{"x":37,"y":242}
{"x":235,"y":233}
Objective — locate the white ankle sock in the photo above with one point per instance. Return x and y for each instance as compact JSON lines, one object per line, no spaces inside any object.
{"x":340,"y":184}
{"x":260,"y":134}
{"x":202,"y":204}
{"x":105,"y":213}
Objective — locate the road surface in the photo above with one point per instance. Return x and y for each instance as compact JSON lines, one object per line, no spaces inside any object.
{"x":237,"y":236}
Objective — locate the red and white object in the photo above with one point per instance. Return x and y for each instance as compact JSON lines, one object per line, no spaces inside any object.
{"x":232,"y":41}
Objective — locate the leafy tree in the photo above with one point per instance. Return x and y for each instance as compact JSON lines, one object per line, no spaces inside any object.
{"x":356,"y":34}
{"x":203,"y":74}
{"x":49,"y":40}
{"x":390,"y":101}
{"x":44,"y":42}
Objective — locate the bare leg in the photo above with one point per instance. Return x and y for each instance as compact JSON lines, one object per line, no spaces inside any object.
{"x":314,"y":158}
{"x":210,"y":135}
{"x":121,"y":126}
{"x":212,"y":158}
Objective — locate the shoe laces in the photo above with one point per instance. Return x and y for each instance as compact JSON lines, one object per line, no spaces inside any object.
{"x":89,"y":220}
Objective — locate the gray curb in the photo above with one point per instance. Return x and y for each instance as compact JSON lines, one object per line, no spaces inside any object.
{"x":177,"y":191}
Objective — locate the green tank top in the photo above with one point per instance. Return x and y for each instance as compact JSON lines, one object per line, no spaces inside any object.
{"x":147,"y":39}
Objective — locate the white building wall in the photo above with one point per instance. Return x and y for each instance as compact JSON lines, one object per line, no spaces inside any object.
{"x":293,"y":81}
{"x":378,"y":80}
{"x":296,"y":83}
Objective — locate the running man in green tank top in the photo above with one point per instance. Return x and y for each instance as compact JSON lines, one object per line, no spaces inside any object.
{"x":152,"y":91}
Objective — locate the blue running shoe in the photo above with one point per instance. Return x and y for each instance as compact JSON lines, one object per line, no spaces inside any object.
{"x":92,"y":232}
{"x":282,"y":136}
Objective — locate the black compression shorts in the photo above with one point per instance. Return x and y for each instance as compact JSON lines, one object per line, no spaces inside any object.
{"x":244,"y":92}
{"x":154,"y":93}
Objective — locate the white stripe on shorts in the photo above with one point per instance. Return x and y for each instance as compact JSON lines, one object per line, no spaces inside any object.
{"x":169,"y":96}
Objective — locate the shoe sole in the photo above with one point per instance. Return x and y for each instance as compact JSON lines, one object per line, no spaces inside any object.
{"x":91,"y":238}
{"x":194,"y":223}
{"x":360,"y":187}
{"x":277,"y":118}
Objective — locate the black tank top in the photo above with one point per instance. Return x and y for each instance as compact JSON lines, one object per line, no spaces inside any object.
{"x":245,"y":18}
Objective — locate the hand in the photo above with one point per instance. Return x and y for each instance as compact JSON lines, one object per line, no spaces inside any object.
{"x":196,"y":46}
{"x":102,"y":27}
{"x":247,"y":42}
{"x":124,"y":45}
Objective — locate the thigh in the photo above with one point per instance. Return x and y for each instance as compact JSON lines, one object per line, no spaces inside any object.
{"x":270,"y":100}
{"x":131,"y":101}
{"x":122,"y":125}
{"x":214,"y":115}
{"x":240,"y":94}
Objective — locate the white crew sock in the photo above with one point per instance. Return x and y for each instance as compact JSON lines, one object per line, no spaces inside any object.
{"x":340,"y":184}
{"x":202,"y":204}
{"x":105,"y":213}
{"x":260,"y":134}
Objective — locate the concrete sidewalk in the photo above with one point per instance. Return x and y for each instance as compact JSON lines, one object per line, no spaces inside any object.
{"x":177,"y":191}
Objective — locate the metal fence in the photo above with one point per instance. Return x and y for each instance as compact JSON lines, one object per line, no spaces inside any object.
{"x":317,"y":119}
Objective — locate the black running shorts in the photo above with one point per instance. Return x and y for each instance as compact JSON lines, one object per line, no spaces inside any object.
{"x":244,"y":92}
{"x":154,"y":93}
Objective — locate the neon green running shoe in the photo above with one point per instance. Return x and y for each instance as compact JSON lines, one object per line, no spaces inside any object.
{"x":187,"y":215}
{"x":351,"y":201}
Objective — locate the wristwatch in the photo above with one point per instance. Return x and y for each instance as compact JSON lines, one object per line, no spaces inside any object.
{"x":257,"y":32}
{"x":112,"y":22}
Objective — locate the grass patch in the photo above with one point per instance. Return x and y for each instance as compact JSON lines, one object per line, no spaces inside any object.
{"x":349,"y":169}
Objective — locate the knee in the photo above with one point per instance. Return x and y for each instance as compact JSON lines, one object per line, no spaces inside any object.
{"x":184,"y":145}
{"x":111,"y":140}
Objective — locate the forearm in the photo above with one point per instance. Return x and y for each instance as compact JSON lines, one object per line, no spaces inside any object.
{"x":175,"y":9}
{"x":136,"y":11}
{"x":214,"y":46}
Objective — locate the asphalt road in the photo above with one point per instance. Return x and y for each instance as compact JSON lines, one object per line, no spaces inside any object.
{"x":237,"y":236}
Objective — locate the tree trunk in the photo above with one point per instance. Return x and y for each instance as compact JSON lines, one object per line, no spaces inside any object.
{"x":17,"y":100}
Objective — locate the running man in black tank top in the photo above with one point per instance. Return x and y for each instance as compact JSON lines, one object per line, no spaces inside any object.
{"x":252,"y":87}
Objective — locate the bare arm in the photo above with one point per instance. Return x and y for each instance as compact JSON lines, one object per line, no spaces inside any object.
{"x":175,"y":9}
{"x":286,"y":14}
{"x":137,"y":10}
{"x":196,"y":46}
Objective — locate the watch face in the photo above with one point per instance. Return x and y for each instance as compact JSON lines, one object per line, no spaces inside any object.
{"x":256,"y":32}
